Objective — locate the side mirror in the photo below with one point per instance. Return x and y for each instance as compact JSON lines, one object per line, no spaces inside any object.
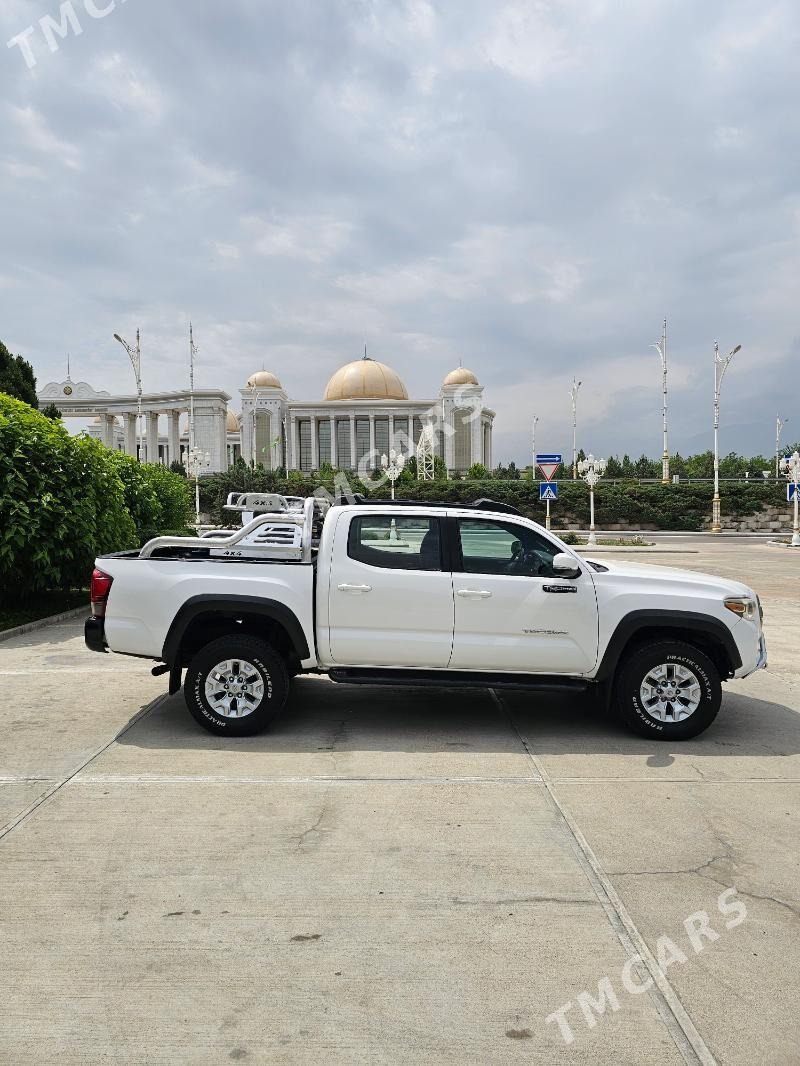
{"x":565,"y":566}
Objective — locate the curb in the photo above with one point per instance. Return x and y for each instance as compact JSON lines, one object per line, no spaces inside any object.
{"x":40,"y":623}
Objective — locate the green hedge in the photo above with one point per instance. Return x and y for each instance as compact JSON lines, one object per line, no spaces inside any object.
{"x":61,"y":503}
{"x":158,"y":500}
{"x":680,"y":507}
{"x":64,"y":500}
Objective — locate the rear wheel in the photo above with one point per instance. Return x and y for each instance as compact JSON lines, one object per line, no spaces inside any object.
{"x":236,"y":685}
{"x":668,"y":690}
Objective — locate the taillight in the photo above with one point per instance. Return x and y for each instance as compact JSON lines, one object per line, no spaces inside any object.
{"x":100,"y":588}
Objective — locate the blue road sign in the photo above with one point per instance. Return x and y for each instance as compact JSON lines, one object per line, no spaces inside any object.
{"x":790,"y":491}
{"x":549,"y":457}
{"x":548,"y":490}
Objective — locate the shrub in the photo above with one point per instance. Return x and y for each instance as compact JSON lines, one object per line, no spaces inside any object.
{"x":61,"y":503}
{"x":158,"y":500}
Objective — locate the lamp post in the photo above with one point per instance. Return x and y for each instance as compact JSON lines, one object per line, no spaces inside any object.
{"x":790,"y":466}
{"x":574,"y":394}
{"x":661,"y":348}
{"x":135,"y":356}
{"x":392,"y":466}
{"x":533,"y":447}
{"x":779,"y":424}
{"x":196,"y":461}
{"x":591,"y":470}
{"x":721,"y":364}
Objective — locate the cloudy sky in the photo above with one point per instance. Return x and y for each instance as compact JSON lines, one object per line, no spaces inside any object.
{"x":528,"y":187}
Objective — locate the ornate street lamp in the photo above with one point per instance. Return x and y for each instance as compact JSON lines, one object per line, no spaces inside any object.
{"x":196,"y":462}
{"x":661,"y":348}
{"x":790,"y":466}
{"x":720,"y":366}
{"x":779,"y":424}
{"x":591,"y":470}
{"x":393,"y":466}
{"x":574,"y":394}
{"x":135,"y":356}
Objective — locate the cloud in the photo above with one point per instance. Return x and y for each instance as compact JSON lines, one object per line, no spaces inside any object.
{"x":529,"y":187}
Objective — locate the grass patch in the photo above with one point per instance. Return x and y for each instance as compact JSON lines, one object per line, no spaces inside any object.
{"x":40,"y":605}
{"x":609,"y":542}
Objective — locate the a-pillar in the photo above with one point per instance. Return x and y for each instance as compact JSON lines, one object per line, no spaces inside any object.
{"x":130,"y":433}
{"x":173,"y":436}
{"x":152,"y":436}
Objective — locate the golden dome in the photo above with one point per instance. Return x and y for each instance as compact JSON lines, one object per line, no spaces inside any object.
{"x":231,"y":422}
{"x":262,"y":379}
{"x":365,"y":379}
{"x":460,"y":376}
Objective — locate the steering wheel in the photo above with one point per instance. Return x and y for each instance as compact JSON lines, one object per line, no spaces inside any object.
{"x":523,"y":561}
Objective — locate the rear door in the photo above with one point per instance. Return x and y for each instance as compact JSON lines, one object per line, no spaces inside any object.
{"x":390,"y":594}
{"x":512,"y":613}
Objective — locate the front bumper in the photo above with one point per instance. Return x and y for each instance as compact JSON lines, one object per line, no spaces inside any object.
{"x":94,"y":634}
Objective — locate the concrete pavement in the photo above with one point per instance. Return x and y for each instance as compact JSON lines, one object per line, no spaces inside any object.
{"x":393,"y":876}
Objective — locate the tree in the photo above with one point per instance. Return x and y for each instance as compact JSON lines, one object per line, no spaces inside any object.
{"x":51,"y":411}
{"x":17,"y":377}
{"x":477,"y":472}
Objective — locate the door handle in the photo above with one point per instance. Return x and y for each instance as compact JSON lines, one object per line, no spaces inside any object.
{"x":354,"y":588}
{"x":474,"y":594}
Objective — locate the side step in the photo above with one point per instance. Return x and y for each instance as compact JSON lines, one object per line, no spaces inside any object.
{"x":352,"y":675}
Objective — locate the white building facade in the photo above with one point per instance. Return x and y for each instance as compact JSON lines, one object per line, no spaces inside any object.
{"x":365,"y":411}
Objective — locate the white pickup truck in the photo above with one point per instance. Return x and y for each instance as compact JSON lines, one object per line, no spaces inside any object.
{"x":418,"y":594}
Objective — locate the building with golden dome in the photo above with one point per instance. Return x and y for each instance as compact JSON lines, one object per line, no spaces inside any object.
{"x":365,"y":411}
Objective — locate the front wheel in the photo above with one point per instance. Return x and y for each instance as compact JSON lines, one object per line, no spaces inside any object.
{"x":668,"y":690}
{"x":235,"y":685}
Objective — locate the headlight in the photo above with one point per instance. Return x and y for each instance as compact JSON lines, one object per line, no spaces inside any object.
{"x":743,"y":606}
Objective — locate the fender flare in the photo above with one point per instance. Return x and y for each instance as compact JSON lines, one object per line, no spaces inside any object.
{"x":231,"y":606}
{"x":683,"y":622}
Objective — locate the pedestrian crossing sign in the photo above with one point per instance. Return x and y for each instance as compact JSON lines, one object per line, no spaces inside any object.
{"x":548,"y":490}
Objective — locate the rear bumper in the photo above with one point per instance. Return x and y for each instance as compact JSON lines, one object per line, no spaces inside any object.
{"x":94,"y":634}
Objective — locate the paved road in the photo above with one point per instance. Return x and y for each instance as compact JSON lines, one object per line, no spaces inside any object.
{"x":395,"y":877}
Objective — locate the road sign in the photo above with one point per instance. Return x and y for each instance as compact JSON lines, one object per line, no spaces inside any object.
{"x":791,"y":488}
{"x":548,"y":490}
{"x":548,"y":463}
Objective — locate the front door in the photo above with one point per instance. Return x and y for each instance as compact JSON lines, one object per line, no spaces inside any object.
{"x":512,"y":613}
{"x":390,"y":602}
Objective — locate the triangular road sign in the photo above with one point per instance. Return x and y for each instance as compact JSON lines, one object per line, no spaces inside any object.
{"x":548,"y":470}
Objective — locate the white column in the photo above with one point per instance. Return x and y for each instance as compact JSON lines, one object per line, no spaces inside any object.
{"x":372,"y":442}
{"x":173,"y":435}
{"x":107,"y":426}
{"x":476,"y":434}
{"x":129,"y":420}
{"x":391,"y":433}
{"x":152,"y":436}
{"x":222,"y":429}
{"x":334,"y":457}
{"x":314,"y":444}
{"x":352,"y":442}
{"x":447,"y":431}
{"x":294,"y":449}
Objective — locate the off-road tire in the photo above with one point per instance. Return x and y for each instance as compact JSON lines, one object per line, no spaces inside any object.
{"x":628,"y":702}
{"x":271,"y":668}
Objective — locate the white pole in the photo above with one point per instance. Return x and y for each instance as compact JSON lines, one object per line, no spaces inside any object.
{"x":547,"y":519}
{"x":715,"y":504}
{"x":665,"y":455}
{"x":533,"y":447}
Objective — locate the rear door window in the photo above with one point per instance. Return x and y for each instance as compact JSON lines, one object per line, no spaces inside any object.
{"x":401,"y":542}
